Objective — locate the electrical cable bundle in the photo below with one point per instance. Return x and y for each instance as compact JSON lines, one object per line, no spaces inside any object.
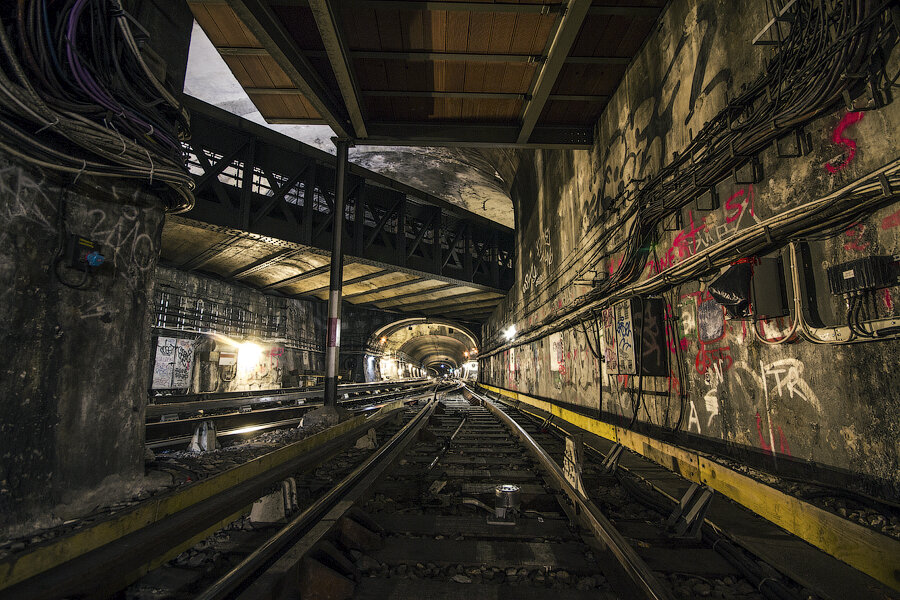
{"x":827,"y":53}
{"x":832,"y":49}
{"x":77,"y":96}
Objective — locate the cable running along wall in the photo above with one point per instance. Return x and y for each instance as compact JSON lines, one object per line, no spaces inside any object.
{"x":77,"y":96}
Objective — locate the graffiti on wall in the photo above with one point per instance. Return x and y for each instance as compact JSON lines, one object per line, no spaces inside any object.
{"x":173,"y":363}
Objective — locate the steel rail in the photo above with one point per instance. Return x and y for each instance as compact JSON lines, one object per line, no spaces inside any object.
{"x":104,"y":570}
{"x":293,"y":532}
{"x":634,"y":565}
{"x":164,"y":442}
{"x":164,"y":404}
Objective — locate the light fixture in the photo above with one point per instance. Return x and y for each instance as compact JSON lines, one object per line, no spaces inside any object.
{"x":466,"y":353}
{"x":383,"y":339}
{"x":248,"y":356}
{"x":510,"y":332}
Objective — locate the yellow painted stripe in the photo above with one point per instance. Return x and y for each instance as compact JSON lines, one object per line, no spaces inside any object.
{"x":872,"y":553}
{"x":42,"y":558}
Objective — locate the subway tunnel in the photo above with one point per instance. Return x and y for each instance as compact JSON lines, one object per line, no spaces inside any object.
{"x":407,"y":298}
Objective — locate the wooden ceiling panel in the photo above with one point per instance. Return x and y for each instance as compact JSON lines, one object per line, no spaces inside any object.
{"x":390,"y":31}
{"x":525,"y":39}
{"x":361,"y":25}
{"x":502,"y":29}
{"x":457,"y":36}
{"x":301,"y":24}
{"x":558,"y":112}
{"x":222,"y":26}
{"x":284,"y":107}
{"x":591,"y":80}
{"x":371,"y":73}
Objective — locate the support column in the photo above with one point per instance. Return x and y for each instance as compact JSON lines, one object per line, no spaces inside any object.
{"x":333,"y":335}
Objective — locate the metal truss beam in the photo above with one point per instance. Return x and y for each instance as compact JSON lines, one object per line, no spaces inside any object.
{"x":283,"y":190}
{"x":485,"y":135}
{"x":328,"y":22}
{"x":569,"y":25}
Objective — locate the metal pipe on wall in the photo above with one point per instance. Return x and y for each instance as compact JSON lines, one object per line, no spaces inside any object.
{"x":333,"y":335}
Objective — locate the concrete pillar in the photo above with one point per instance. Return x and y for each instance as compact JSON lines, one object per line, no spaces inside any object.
{"x":333,"y":335}
{"x":74,"y":363}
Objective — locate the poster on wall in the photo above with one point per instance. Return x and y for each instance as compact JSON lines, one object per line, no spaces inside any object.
{"x":610,"y":356}
{"x":625,"y":338}
{"x":172,"y":367}
{"x":556,"y":352}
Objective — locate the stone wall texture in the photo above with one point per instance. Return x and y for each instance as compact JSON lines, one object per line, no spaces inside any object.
{"x":784,"y":406}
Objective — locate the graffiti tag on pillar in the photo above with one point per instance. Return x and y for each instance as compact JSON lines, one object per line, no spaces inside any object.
{"x":838,"y":139}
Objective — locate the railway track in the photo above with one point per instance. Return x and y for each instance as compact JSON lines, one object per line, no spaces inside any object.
{"x":471,"y":498}
{"x":99,"y":556}
{"x":173,"y":421}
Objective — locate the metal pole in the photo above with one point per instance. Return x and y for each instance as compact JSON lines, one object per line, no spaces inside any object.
{"x":333,"y":341}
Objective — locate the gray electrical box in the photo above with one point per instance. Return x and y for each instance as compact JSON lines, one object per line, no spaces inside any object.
{"x":768,"y":294}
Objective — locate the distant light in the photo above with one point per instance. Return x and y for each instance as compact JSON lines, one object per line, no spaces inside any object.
{"x":510,"y":332}
{"x":248,"y":357}
{"x":466,"y":353}
{"x":383,"y":339}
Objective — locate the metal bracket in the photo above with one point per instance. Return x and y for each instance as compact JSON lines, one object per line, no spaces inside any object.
{"x":611,"y":462}
{"x":687,"y":518}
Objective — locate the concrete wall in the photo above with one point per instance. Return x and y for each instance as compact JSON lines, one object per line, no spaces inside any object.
{"x":290,"y":333}
{"x":73,"y":363}
{"x":834,"y":406}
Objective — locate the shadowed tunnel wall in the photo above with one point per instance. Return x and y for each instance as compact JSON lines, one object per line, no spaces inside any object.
{"x":777,"y":407}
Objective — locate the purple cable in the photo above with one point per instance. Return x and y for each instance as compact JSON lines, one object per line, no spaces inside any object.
{"x":94,"y":90}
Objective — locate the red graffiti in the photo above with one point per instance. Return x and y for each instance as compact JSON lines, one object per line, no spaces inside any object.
{"x":888,"y":300}
{"x":891,"y":221}
{"x":707,"y":357}
{"x":276,"y":353}
{"x":838,"y":139}
{"x":674,"y":382}
{"x":855,"y":234}
{"x":739,"y":207}
{"x":623,"y":379}
{"x":766,"y":447}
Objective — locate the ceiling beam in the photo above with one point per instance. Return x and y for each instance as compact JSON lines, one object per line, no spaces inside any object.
{"x":412,"y":294}
{"x":294,"y":121}
{"x":433,"y":56}
{"x":569,"y":25}
{"x":258,"y":17}
{"x":328,"y":21}
{"x":473,"y":134}
{"x":495,"y":7}
{"x":346,"y":282}
{"x":440,"y":94}
{"x":407,"y":305}
{"x":449,"y":56}
{"x":437,"y":303}
{"x":386,"y":288}
{"x":305,"y":275}
{"x":263,"y":263}
{"x":626,"y":11}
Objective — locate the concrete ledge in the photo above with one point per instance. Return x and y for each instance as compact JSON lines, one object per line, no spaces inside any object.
{"x":872,"y":553}
{"x":52,"y":554}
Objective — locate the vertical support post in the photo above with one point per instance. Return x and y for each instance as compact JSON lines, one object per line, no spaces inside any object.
{"x":333,"y":335}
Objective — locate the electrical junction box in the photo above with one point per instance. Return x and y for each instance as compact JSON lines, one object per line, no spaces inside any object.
{"x":227,"y":359}
{"x":768,"y":293}
{"x":862,"y":274}
{"x":83,"y":254}
{"x":638,"y":326}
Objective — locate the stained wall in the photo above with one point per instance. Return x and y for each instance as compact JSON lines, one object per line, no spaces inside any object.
{"x":784,"y":406}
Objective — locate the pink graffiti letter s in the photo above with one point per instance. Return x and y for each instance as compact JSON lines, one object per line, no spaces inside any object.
{"x":838,"y":139}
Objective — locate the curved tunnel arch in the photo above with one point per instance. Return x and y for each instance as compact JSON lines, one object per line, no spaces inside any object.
{"x":431,"y":344}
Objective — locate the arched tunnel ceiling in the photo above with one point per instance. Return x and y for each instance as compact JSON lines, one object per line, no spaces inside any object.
{"x":462,"y":176}
{"x":426,"y":343}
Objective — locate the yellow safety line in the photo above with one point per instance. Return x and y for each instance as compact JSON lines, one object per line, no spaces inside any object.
{"x":42,"y":558}
{"x":872,"y":553}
